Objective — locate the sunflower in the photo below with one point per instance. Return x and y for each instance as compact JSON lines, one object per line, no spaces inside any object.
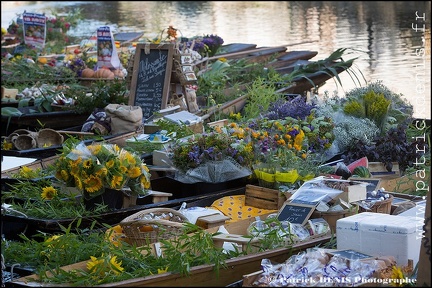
{"x":48,"y":193}
{"x":93,"y":184}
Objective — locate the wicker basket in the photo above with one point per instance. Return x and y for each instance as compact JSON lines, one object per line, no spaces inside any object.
{"x":151,"y":225}
{"x":332,"y":216}
{"x":383,"y":206}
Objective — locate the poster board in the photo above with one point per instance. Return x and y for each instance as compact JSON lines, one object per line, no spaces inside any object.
{"x":34,"y":29}
{"x":107,"y":55}
{"x":151,"y":77}
{"x":296,"y":213}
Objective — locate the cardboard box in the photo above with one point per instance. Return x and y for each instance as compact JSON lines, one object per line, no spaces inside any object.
{"x":354,"y":191}
{"x":380,"y":234}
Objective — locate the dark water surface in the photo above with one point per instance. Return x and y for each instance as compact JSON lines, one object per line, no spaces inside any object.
{"x":390,"y":38}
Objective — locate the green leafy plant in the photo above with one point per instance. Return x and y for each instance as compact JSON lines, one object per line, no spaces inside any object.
{"x":381,"y":105}
{"x":331,"y":66}
{"x":260,"y":95}
{"x":393,"y":146}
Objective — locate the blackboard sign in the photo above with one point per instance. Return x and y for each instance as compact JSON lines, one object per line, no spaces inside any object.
{"x":151,"y":77}
{"x":296,"y":213}
{"x":351,"y":254}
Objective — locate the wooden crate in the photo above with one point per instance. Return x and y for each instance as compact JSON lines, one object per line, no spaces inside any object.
{"x":377,"y":169}
{"x":264,"y":198}
{"x":408,"y":184}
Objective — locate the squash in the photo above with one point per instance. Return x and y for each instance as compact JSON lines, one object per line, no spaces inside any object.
{"x":87,"y":73}
{"x":118,"y":73}
{"x":104,"y":73}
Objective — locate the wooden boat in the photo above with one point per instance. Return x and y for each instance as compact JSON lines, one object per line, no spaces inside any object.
{"x":14,"y":223}
{"x":87,"y":137}
{"x":126,"y":38}
{"x":203,"y":275}
{"x":55,"y":120}
{"x":200,"y":276}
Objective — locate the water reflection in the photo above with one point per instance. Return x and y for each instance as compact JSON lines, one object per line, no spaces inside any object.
{"x":379,"y":32}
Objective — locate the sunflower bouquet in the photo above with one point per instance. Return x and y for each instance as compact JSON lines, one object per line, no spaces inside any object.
{"x":94,"y":167}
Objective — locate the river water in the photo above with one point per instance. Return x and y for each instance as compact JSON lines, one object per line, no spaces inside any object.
{"x":391,"y":39}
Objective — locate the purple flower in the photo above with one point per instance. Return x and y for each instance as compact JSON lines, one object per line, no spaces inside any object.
{"x":296,"y":108}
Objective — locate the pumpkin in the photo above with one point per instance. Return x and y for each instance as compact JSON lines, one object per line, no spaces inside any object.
{"x":104,"y":73}
{"x":87,"y":73}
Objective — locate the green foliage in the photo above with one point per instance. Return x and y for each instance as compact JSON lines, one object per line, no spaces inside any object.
{"x":329,"y":66}
{"x":399,"y":108}
{"x":370,"y":105}
{"x":376,"y":107}
{"x":260,"y":95}
{"x":43,"y":252}
{"x":354,"y":108}
{"x":20,"y":74}
{"x":174,"y":130}
{"x":100,"y":94}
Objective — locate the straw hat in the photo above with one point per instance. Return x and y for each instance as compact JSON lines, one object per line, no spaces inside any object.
{"x":48,"y":137}
{"x":24,"y":142}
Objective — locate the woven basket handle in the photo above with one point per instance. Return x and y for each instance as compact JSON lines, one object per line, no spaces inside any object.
{"x":139,"y":223}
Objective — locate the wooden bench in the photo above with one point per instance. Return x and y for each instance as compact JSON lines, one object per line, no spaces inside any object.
{"x":211,"y":221}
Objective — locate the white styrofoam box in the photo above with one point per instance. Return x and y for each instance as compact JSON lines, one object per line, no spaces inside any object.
{"x":379,"y":234}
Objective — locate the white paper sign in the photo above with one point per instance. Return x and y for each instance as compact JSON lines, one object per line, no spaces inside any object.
{"x":34,"y":29}
{"x":106,"y":50}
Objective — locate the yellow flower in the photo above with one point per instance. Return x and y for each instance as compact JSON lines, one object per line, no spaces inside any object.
{"x":27,"y":173}
{"x":94,"y":263}
{"x":93,"y":167}
{"x":93,"y":184}
{"x":116,"y":181}
{"x":116,"y":266}
{"x":134,"y":172}
{"x":161,"y":271}
{"x":87,"y":163}
{"x":48,"y":193}
{"x":397,"y":274}
{"x":99,"y":266}
{"x":110,"y":164}
{"x":7,"y":145}
{"x":52,"y":238}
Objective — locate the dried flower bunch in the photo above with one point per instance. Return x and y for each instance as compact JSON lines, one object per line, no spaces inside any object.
{"x":92,"y":168}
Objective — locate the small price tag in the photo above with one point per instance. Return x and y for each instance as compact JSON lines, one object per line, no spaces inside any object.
{"x":158,"y":249}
